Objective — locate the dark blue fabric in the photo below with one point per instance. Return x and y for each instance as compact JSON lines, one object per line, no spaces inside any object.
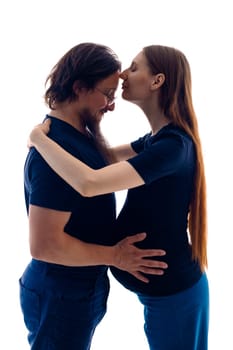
{"x":179,"y":321}
{"x":166,"y":162}
{"x":61,"y":308}
{"x":92,"y":219}
{"x":62,"y":305}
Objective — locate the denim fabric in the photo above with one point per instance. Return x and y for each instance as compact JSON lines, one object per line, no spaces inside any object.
{"x":179,"y":321}
{"x":61,"y":311}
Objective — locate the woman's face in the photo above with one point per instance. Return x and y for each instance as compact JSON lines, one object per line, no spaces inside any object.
{"x":137,"y":80}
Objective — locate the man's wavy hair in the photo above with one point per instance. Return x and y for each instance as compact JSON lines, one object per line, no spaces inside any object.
{"x":85,"y":64}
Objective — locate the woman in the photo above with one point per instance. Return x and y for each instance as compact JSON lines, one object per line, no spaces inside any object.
{"x":164,"y":173}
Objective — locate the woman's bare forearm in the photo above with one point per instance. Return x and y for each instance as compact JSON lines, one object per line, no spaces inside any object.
{"x":85,"y":180}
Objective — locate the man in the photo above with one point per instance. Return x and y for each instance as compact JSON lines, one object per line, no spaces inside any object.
{"x":64,"y":289}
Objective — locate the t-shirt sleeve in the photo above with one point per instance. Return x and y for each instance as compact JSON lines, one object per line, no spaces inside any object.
{"x":138,"y":145}
{"x":46,"y":188}
{"x":163,"y":157}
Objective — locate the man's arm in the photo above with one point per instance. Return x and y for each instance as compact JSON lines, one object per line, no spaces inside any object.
{"x":123,"y":152}
{"x":49,"y":242}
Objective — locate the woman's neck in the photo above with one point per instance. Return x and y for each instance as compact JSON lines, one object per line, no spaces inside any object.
{"x":156,"y":119}
{"x":156,"y":125}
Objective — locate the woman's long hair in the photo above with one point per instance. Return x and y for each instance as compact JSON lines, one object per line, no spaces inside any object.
{"x":176,"y":103}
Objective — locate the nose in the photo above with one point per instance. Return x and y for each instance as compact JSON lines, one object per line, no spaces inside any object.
{"x":123,"y":75}
{"x":111,"y":107}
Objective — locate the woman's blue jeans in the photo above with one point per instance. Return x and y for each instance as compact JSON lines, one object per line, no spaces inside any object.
{"x":179,"y":321}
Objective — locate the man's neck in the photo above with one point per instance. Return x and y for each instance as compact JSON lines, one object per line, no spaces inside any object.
{"x":69,"y":117}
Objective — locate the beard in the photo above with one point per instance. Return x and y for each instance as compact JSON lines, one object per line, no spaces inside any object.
{"x":91,"y":124}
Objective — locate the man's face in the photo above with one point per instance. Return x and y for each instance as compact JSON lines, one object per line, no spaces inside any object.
{"x":99,"y":100}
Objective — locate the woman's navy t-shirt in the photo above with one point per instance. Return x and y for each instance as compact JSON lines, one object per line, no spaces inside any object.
{"x":166,"y":162}
{"x":92,"y":219}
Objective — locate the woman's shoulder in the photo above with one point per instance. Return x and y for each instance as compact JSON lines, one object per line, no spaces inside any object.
{"x":172,"y":132}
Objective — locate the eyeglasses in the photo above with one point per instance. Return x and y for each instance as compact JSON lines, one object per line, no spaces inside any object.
{"x":110,"y":97}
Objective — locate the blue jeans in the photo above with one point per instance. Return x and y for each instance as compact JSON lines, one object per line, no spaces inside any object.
{"x":61,"y":311}
{"x":179,"y":321}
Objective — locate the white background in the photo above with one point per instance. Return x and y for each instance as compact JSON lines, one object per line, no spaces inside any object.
{"x":34,"y":35}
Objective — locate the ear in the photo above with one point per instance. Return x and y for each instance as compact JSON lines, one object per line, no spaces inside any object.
{"x":76,"y":87}
{"x":157,"y":81}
